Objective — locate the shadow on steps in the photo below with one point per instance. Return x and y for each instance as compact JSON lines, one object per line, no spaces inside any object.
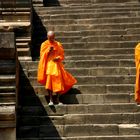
{"x":38,"y":36}
{"x":48,"y":3}
{"x":33,"y":115}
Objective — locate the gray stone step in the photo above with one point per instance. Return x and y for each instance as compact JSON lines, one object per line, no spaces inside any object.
{"x":94,"y":71}
{"x":98,"y":53}
{"x":90,"y":21}
{"x":5,"y":89}
{"x":7,"y":98}
{"x":79,"y":109}
{"x":22,"y":45}
{"x":91,"y":80}
{"x":7,"y":68}
{"x":91,"y":6}
{"x":86,"y":63}
{"x":7,"y":113}
{"x":103,"y":45}
{"x":75,"y":3}
{"x":91,"y":27}
{"x":97,"y":38}
{"x":97,"y":45}
{"x":62,"y":10}
{"x":70,"y":119}
{"x":90,"y":15}
{"x":7,"y":80}
{"x":88,"y":89}
{"x":124,"y":137}
{"x":79,"y":130}
{"x":68,"y":99}
{"x":24,"y":51}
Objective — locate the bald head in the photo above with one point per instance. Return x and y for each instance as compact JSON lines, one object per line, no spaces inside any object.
{"x":51,"y":36}
{"x":50,"y":33}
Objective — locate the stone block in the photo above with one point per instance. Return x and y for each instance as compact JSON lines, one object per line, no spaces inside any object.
{"x":7,"y":45}
{"x":129,"y":129}
{"x":8,"y":133}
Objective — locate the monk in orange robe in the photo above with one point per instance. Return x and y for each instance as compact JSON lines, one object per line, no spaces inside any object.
{"x":137,"y":62}
{"x":51,"y":72}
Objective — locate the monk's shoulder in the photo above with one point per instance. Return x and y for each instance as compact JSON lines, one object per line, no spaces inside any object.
{"x":58,"y":43}
{"x":45,"y":42}
{"x":138,"y":46}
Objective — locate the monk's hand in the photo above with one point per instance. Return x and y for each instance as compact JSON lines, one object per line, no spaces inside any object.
{"x":56,"y":59}
{"x":51,"y":49}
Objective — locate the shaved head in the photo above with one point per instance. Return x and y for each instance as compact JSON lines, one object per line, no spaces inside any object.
{"x":51,"y":36}
{"x":50,"y":33}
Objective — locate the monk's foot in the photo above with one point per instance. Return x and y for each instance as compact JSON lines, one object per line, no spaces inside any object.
{"x":60,"y":103}
{"x":50,"y":103}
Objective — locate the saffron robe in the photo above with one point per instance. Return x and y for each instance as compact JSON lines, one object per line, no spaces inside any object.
{"x":52,"y":73}
{"x":137,"y":62}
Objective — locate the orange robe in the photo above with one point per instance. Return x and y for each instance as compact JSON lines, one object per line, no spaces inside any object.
{"x":137,"y":62}
{"x":52,"y":73}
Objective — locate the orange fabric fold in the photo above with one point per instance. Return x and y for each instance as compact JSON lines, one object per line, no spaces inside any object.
{"x":51,"y":73}
{"x":137,"y":62}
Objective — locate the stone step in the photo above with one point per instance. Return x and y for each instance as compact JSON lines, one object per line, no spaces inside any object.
{"x":97,"y":38}
{"x":91,"y":6}
{"x":99,"y":45}
{"x":7,"y":80}
{"x":118,"y":20}
{"x":87,"y":89}
{"x":5,"y":89}
{"x":90,"y":15}
{"x":67,"y":99}
{"x":70,"y":119}
{"x":97,"y":53}
{"x":91,"y":27}
{"x":7,"y":98}
{"x":7,"y":113}
{"x":45,"y":110}
{"x":62,"y":10}
{"x":79,"y":130}
{"x":75,"y":3}
{"x":90,"y":80}
{"x":99,"y":57}
{"x":96,"y":45}
{"x":24,"y":52}
{"x":95,"y":57}
{"x":18,"y":9}
{"x":7,"y":68}
{"x":86,"y":63}
{"x":109,"y":38}
{"x":102,"y":71}
{"x":91,"y":32}
{"x":124,"y":137}
{"x":24,"y":58}
{"x":22,"y":45}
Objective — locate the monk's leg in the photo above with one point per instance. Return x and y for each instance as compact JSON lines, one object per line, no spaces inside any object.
{"x":58,"y":99}
{"x":51,"y":97}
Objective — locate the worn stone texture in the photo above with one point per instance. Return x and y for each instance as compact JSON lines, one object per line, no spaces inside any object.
{"x":8,"y":133}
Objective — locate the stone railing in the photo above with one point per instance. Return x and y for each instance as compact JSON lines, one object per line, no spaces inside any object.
{"x":16,"y":16}
{"x":9,"y":75}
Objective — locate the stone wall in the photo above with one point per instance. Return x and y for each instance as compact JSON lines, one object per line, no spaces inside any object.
{"x":8,"y":86}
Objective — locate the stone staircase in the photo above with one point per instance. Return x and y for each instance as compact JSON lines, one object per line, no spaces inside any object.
{"x":8,"y":86}
{"x":99,"y":37}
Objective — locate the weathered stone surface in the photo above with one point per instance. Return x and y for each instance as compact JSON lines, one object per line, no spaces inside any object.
{"x":8,"y":134}
{"x":7,"y":45}
{"x":98,"y":38}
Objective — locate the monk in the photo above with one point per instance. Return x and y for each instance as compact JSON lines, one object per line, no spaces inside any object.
{"x":137,"y":62}
{"x":51,"y":72}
